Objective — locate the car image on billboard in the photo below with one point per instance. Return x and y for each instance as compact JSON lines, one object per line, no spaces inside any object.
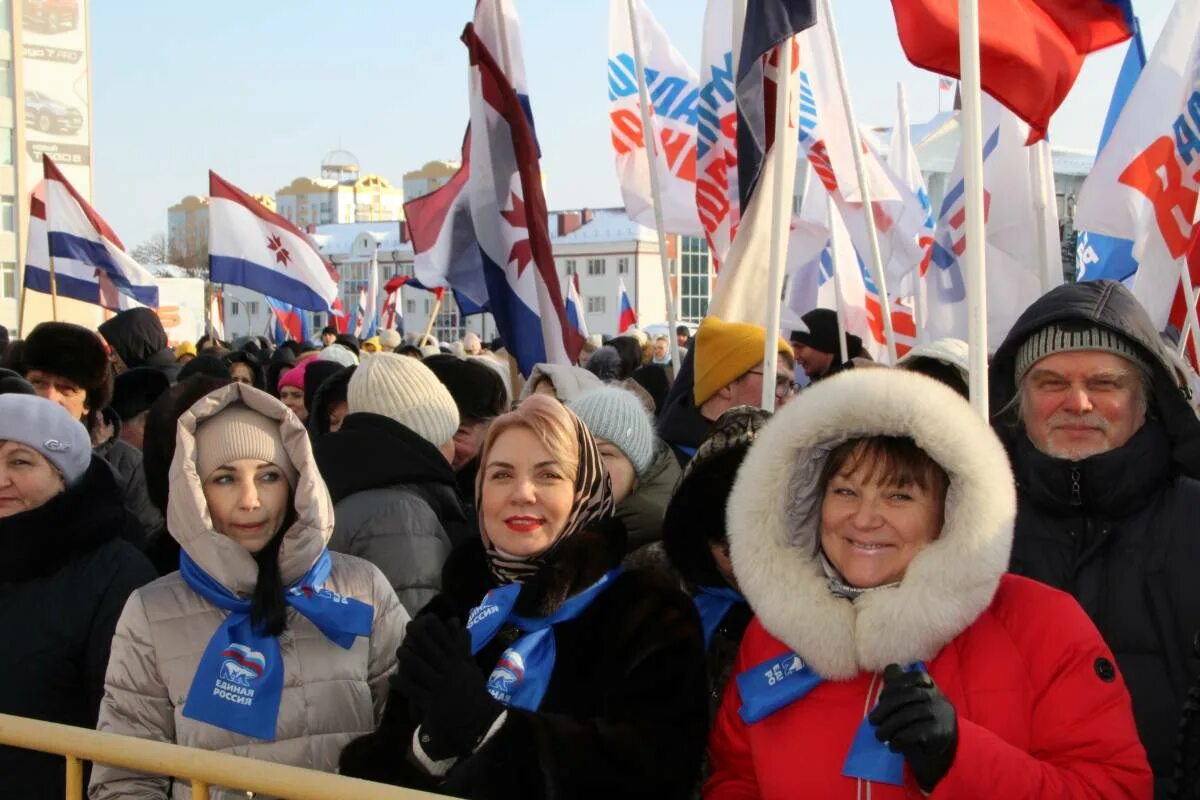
{"x":50,"y":16}
{"x":48,"y":115}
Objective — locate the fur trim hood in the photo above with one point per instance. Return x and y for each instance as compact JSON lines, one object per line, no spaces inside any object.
{"x":187,"y":512}
{"x":774,"y":514}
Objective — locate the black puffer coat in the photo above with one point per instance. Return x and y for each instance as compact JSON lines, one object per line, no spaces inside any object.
{"x":1117,"y":530}
{"x":624,"y":712}
{"x":65,"y":574}
{"x":139,"y":338}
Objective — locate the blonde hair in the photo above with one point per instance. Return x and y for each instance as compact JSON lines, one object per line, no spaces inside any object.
{"x":549,"y":420}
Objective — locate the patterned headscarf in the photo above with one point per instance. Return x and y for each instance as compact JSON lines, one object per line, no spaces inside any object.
{"x":593,"y":501}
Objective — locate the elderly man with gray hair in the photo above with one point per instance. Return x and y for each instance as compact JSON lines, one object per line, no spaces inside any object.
{"x":1104,"y":445}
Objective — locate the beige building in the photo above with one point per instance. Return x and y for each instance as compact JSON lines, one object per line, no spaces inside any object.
{"x":340,"y":195}
{"x":429,"y":177}
{"x":45,"y":108}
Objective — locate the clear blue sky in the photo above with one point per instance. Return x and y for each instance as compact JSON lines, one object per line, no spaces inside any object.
{"x":260,"y":90}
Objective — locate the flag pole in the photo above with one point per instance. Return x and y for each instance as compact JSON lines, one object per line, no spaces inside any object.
{"x":1189,"y":296}
{"x":650,"y":142}
{"x":1037,"y":168}
{"x":971,"y":119}
{"x":843,"y":350}
{"x":53,"y":288}
{"x":437,"y":305}
{"x":902,"y":125}
{"x":860,"y":168}
{"x":781,"y":209}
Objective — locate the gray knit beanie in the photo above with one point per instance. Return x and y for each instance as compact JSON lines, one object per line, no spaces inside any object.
{"x":239,"y":432}
{"x":1056,"y":338}
{"x":407,"y":391}
{"x":618,"y":416}
{"x":48,"y":428}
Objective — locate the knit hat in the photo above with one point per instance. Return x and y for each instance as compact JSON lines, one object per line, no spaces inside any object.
{"x":389,"y":340}
{"x":73,"y":352}
{"x":617,"y":415}
{"x":822,"y":333}
{"x":135,"y":390}
{"x":477,"y":389}
{"x":373,"y":343}
{"x":471,"y":343}
{"x":294,"y":377}
{"x":405,"y":390}
{"x":605,"y":363}
{"x":48,"y":428}
{"x":1065,"y":338}
{"x":339,"y":354}
{"x":185,"y":349}
{"x":238,"y":432}
{"x":725,"y":351}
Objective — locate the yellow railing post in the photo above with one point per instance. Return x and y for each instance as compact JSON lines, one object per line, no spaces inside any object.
{"x":74,"y":778}
{"x":199,"y":790}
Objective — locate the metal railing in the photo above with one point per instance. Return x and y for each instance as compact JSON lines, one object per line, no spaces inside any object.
{"x":203,"y":768}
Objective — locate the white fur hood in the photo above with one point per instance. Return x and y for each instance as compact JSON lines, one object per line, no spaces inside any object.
{"x":774,"y":513}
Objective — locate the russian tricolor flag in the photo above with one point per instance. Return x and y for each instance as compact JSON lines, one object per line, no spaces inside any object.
{"x":628,"y":318}
{"x":90,"y":263}
{"x":575,"y":307}
{"x":252,"y":246}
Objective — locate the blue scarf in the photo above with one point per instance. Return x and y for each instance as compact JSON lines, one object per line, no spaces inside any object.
{"x":523,"y":672}
{"x":781,"y":681}
{"x":239,"y":680}
{"x":713,"y":603}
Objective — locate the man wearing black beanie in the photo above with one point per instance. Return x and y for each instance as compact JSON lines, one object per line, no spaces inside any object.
{"x":817,"y":350}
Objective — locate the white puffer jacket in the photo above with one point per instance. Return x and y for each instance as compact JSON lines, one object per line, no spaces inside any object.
{"x":330,"y":695}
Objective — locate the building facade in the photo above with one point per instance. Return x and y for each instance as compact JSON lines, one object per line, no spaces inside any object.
{"x":433,"y":175}
{"x":45,"y":108}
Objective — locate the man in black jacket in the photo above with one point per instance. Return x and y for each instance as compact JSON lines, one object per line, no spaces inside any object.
{"x":1104,"y":449}
{"x":138,"y":339}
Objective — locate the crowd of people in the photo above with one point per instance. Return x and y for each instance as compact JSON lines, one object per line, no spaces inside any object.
{"x":408,"y":563}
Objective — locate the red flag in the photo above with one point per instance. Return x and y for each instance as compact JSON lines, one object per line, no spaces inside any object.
{"x":1030,"y":50}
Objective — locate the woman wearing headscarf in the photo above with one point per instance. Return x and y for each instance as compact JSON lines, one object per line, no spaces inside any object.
{"x":263,"y":644}
{"x":543,"y":670}
{"x":890,"y":655}
{"x":65,"y":573}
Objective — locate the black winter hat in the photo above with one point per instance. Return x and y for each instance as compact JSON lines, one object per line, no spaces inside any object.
{"x":211,"y":365}
{"x":476,"y":388}
{"x":73,"y":352}
{"x":135,"y":334}
{"x":822,"y":333}
{"x":315,"y":375}
{"x":12,"y":383}
{"x":348,"y":340}
{"x":135,"y":390}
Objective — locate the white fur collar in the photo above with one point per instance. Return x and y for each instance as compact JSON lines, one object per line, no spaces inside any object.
{"x":773,"y":519}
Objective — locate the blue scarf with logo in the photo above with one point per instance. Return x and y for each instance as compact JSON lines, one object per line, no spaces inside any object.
{"x":778,"y":682}
{"x":523,"y":672}
{"x":713,"y":603}
{"x":239,"y":680}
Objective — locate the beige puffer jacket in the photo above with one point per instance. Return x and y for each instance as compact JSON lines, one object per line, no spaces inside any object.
{"x":330,"y":695}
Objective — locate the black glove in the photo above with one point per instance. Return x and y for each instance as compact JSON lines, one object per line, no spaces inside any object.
{"x":436,"y":672}
{"x":916,"y":720}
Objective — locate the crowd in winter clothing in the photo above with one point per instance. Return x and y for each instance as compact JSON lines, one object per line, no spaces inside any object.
{"x":406,"y":562}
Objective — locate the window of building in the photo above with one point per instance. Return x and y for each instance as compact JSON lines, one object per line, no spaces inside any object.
{"x":427,"y":306}
{"x":234,"y":307}
{"x":695,"y":278}
{"x":595,"y":305}
{"x":570,"y":264}
{"x":6,"y":146}
{"x":252,"y":308}
{"x":622,"y":266}
{"x":6,"y":85}
{"x":410,"y":306}
{"x":595,"y":266}
{"x":448,"y":325}
{"x":8,"y":213}
{"x":8,"y":279}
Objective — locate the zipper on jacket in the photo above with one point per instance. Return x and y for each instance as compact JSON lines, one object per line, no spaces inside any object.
{"x":1076,"y":492}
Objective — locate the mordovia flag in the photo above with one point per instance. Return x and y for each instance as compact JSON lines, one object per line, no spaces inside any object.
{"x":716,"y":132}
{"x":1097,"y":256}
{"x":1014,"y":273}
{"x":1030,"y":50}
{"x":575,"y":307}
{"x":673,"y":89}
{"x":89,"y":259}
{"x":252,"y":246}
{"x":770,"y":26}
{"x":360,"y":313}
{"x":507,"y":205}
{"x":1143,"y":185}
{"x":216,"y":316}
{"x":627,"y":319}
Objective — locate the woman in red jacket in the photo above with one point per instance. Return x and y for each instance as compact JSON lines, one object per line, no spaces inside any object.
{"x":890,"y":656}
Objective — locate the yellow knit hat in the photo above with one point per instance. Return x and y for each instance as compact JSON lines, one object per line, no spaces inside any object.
{"x":725,"y":351}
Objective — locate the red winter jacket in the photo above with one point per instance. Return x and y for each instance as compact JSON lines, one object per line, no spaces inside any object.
{"x":1042,"y":713}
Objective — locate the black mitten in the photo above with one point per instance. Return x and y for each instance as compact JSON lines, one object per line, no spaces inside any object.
{"x":436,"y":671}
{"x":916,"y":720}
